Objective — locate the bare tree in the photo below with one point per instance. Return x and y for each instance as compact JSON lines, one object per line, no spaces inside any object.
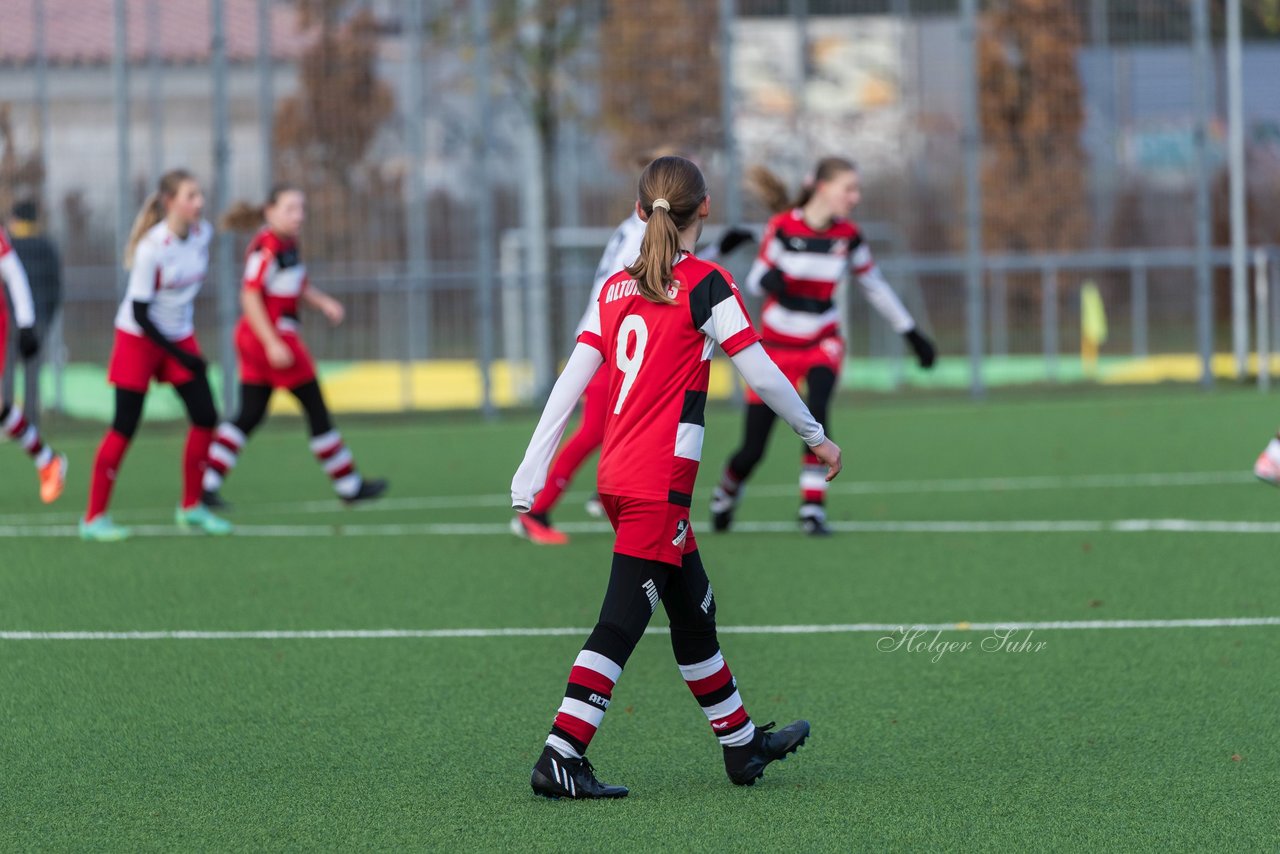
{"x":324,"y":133}
{"x":660,"y":75}
{"x":1032,"y":117}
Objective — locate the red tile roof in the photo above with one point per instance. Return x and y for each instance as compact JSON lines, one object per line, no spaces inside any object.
{"x":81,"y":32}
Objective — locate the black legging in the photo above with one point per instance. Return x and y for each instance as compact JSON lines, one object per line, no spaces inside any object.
{"x":759,"y":422}
{"x":627,"y":608}
{"x":196,"y":396}
{"x":254,"y":400}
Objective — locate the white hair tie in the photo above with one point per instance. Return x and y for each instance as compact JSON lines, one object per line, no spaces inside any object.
{"x":661,"y":203}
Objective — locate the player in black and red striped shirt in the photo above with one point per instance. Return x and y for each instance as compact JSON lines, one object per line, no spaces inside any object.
{"x":271,"y":350}
{"x":654,"y":329}
{"x":808,"y":248}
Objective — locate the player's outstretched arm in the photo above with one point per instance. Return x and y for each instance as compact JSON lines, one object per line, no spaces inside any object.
{"x":759,"y":371}
{"x":532,"y":473}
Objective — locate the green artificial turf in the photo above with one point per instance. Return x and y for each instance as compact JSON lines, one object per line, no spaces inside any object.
{"x":1120,"y":739}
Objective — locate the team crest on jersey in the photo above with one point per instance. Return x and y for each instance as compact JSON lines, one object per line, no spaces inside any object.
{"x":682,"y":531}
{"x":840,"y":247}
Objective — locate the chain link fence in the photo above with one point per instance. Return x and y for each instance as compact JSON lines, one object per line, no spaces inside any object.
{"x":465,"y":162}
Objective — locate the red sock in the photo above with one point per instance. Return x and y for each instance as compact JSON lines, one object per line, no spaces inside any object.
{"x":194,"y":459}
{"x":105,"y":466}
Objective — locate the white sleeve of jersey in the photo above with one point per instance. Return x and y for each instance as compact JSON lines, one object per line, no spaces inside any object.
{"x":531,"y":476}
{"x":142,"y":276}
{"x":15,"y":279}
{"x":885,"y":300}
{"x":768,"y":381}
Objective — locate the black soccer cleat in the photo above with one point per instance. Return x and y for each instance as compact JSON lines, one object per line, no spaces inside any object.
{"x":212,"y":499}
{"x":813,"y":520}
{"x":746,"y":764}
{"x":370,"y":488}
{"x":556,"y":777}
{"x":722,"y":506}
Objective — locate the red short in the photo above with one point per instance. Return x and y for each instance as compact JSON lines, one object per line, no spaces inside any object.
{"x":653,"y":530}
{"x":256,"y":370}
{"x":137,"y":360}
{"x":796,"y":362}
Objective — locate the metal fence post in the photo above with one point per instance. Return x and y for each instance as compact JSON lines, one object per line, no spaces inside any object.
{"x":486,"y":245}
{"x":124,"y":192}
{"x":1236,"y":167}
{"x":1049,"y":320}
{"x":1262,"y":286}
{"x":1138,"y":306}
{"x":1204,"y":273}
{"x":999,"y":313}
{"x":266,"y":96}
{"x":155,"y":91}
{"x":972,"y":194}
{"x":733,"y":177}
{"x":418,"y":313}
{"x":225,"y":281}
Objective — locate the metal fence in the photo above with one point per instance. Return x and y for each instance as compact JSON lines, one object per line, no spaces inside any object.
{"x":464,"y":161}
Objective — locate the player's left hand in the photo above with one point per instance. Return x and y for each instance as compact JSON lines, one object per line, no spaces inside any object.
{"x":28,"y":342}
{"x":333,"y":311}
{"x":926,"y":353}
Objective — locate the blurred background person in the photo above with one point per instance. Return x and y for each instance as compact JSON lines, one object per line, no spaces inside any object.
{"x":39,"y":257}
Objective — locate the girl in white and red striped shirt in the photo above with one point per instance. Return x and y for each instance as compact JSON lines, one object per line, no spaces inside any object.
{"x":807,"y":249}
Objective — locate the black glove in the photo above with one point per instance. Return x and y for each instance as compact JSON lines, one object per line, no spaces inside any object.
{"x":925,"y":352}
{"x":28,"y":342}
{"x":193,"y":363}
{"x":734,"y":237}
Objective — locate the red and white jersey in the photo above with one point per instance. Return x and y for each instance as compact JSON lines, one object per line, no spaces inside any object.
{"x":275,"y":268}
{"x":168,"y":272}
{"x":812,"y":262}
{"x":658,"y":359}
{"x":15,"y":279}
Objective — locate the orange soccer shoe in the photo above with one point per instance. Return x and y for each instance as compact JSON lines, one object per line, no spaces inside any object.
{"x":536,"y":531}
{"x":53,"y":476}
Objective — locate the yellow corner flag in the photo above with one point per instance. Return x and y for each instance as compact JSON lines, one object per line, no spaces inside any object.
{"x":1093,"y":326}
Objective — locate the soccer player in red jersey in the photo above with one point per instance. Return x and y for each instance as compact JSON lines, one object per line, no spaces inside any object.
{"x":272,"y":352}
{"x":168,"y":259}
{"x":807,"y":249}
{"x":51,"y":466}
{"x":654,"y":329}
{"x":621,"y":250}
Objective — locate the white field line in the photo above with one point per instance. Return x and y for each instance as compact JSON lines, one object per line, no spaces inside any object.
{"x":883,"y":487}
{"x":839,"y":628}
{"x":488,"y":529}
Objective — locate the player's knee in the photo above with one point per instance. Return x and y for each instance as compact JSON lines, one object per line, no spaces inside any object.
{"x":694,"y":644}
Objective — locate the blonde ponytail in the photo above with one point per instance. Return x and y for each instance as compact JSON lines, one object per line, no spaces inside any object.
{"x":671,"y":191}
{"x":153,"y":209}
{"x":152,"y":212}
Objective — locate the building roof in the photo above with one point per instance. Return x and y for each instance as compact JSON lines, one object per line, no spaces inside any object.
{"x":82,"y":32}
